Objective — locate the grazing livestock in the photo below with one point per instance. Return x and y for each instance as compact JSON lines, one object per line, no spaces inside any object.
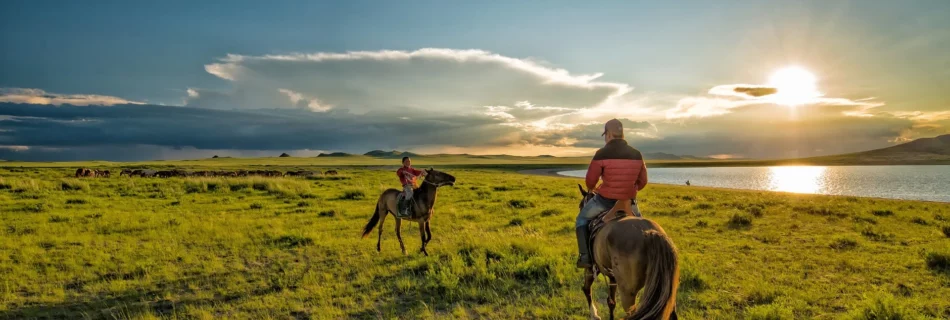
{"x":85,"y":172}
{"x":300,"y":173}
{"x":103,"y":173}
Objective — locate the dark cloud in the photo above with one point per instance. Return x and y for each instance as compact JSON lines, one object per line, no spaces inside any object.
{"x":756,"y":91}
{"x":279,"y":130}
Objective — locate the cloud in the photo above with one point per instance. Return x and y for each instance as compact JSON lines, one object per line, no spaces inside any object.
{"x":37,"y":96}
{"x":442,"y":80}
{"x":743,"y":90}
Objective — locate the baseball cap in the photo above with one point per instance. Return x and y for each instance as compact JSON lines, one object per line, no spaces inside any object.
{"x":614,"y":127}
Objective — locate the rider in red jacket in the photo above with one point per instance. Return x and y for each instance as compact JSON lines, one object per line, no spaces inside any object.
{"x":623,"y":172}
{"x":407,"y":177}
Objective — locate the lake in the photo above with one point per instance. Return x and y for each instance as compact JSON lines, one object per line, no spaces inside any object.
{"x":930,"y":183}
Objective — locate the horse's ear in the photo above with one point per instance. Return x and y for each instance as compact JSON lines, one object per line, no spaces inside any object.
{"x":430,"y":169}
{"x":579,"y":187}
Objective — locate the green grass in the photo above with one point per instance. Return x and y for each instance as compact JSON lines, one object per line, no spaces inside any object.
{"x":503,"y":248}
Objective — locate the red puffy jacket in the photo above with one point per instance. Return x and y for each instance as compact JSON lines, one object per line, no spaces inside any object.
{"x":622,"y":169}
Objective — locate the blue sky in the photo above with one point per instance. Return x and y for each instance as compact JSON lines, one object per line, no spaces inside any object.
{"x":883,"y":62}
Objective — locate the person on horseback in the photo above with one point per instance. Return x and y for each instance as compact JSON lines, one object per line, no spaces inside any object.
{"x":407,"y":177}
{"x":623,"y":172}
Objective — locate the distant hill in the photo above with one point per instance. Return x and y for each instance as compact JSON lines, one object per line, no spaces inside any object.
{"x":934,"y":150}
{"x":389,"y":154}
{"x":335,"y":154}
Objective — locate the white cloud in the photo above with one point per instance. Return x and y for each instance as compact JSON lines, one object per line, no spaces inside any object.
{"x":37,"y":96}
{"x":444,"y":80}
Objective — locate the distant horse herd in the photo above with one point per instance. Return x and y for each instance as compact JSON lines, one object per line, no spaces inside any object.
{"x":147,"y":173}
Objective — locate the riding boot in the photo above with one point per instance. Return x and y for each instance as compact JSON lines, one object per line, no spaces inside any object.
{"x":583,"y":237}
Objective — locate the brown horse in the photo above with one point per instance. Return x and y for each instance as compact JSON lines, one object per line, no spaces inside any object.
{"x":422,"y":204}
{"x":634,"y":252}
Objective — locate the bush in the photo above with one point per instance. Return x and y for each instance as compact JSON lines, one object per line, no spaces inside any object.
{"x":882,"y":213}
{"x":57,"y":219}
{"x":939,"y":262}
{"x":550,"y":212}
{"x":560,"y":195}
{"x":327,"y":213}
{"x":76,"y":201}
{"x":291,"y":241}
{"x":946,"y":231}
{"x":520,"y":204}
{"x":516,"y":222}
{"x":919,"y":220}
{"x":73,"y":185}
{"x":303,"y":204}
{"x":702,"y":223}
{"x":257,"y":206}
{"x":756,"y":211}
{"x":703,"y":206}
{"x":5,"y":186}
{"x":353,"y":195}
{"x":844,"y":244}
{"x":875,"y":235}
{"x":740,"y":220}
{"x":502,"y":188}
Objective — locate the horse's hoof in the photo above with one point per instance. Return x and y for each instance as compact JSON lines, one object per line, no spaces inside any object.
{"x":404,"y":252}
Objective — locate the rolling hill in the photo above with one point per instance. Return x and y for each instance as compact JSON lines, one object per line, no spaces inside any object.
{"x":934,"y":150}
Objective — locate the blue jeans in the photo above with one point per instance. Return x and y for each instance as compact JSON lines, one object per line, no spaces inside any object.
{"x":596,"y":206}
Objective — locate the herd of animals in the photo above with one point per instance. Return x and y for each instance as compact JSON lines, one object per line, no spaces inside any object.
{"x":146,"y":173}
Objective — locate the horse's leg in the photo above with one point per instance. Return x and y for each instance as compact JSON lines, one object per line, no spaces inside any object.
{"x":673,"y":315}
{"x":612,"y":296}
{"x":382,"y":218}
{"x":428,"y":233}
{"x":422,"y":235}
{"x":399,"y":235}
{"x":588,"y":282}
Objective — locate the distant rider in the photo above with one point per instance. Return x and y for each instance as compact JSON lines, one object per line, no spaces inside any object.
{"x":407,"y":177}
{"x":624,"y":174}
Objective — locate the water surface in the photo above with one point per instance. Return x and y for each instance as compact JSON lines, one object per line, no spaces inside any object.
{"x":931,"y":183}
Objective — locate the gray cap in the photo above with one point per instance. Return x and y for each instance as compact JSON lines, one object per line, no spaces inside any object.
{"x":614,"y":127}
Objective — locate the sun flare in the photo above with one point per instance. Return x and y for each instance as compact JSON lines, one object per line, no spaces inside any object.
{"x":794,"y":85}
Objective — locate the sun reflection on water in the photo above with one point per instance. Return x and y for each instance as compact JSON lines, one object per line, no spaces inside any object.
{"x":796,"y":179}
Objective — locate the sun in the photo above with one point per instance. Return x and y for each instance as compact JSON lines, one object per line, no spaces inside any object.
{"x":794,"y":85}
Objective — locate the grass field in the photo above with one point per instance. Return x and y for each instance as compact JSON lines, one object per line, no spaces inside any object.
{"x":503,"y":248}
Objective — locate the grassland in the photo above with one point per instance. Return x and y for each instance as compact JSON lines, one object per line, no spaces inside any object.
{"x":503,"y":248}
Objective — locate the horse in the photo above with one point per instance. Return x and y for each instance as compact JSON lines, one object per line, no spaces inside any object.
{"x":85,"y":172}
{"x":421,"y":207}
{"x":632,"y":253}
{"x":103,"y":173}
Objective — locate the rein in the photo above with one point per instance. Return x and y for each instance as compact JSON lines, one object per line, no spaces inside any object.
{"x":441,"y":184}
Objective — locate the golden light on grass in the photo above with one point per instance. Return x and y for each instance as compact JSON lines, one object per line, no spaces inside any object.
{"x":795,"y":86}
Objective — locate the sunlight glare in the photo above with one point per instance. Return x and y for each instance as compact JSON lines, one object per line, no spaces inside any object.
{"x":795,"y":86}
{"x":796,"y":179}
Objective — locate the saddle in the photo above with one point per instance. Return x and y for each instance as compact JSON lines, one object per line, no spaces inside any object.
{"x":620,"y":210}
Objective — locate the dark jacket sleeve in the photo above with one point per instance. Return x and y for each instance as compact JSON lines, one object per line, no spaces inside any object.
{"x":642,"y":179}
{"x":594,"y":171}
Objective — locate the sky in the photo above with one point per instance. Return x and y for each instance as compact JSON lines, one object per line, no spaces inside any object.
{"x":117,"y":80}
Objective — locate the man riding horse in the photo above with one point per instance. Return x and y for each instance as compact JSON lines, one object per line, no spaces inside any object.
{"x":407,"y":178}
{"x":623,"y":172}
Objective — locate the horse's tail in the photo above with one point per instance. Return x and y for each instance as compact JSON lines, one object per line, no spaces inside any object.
{"x":662,"y":278}
{"x":372,"y":222}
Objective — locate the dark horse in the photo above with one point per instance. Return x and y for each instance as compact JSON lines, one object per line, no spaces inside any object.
{"x":422,"y":204}
{"x":634,"y":252}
